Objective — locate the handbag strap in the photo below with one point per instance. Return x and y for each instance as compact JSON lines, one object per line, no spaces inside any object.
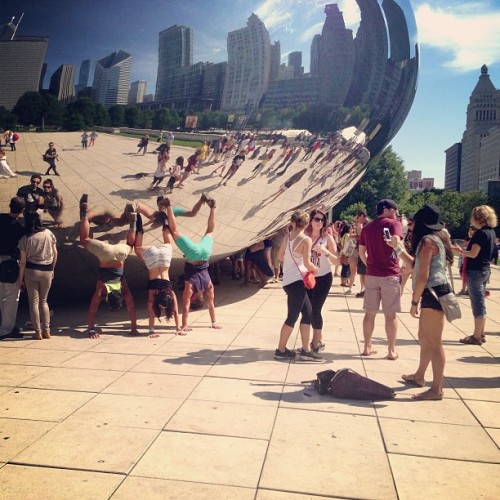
{"x":293,"y":258}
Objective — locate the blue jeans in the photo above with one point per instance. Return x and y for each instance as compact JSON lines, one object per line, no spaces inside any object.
{"x":476,"y":284}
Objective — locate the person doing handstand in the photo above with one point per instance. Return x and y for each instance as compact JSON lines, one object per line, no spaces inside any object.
{"x":161,"y":297}
{"x":196,"y":277}
{"x":111,"y":284}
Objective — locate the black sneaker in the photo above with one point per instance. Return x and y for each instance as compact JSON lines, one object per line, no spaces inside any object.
{"x":360,"y":294}
{"x":84,"y":203}
{"x":286,"y":354}
{"x":309,"y":356}
{"x":320,"y":347}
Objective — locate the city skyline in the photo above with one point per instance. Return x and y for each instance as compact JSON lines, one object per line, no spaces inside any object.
{"x":449,"y":66}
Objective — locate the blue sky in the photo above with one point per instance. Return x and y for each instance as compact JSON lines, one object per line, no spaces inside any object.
{"x":456,"y":38}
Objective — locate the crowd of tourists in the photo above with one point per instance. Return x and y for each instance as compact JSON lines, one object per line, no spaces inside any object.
{"x":306,"y":254}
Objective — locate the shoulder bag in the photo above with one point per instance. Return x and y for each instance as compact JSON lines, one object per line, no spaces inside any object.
{"x":449,"y":304}
{"x":308,"y":278}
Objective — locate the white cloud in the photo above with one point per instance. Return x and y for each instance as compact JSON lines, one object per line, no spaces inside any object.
{"x":309,"y":33}
{"x":275,"y":14}
{"x":469,"y":32}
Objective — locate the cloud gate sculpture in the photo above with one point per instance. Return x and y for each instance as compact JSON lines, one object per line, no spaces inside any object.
{"x":352,"y":103}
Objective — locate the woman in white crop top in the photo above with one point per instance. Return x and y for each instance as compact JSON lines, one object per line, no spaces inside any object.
{"x":324,"y":254}
{"x":295,"y":253}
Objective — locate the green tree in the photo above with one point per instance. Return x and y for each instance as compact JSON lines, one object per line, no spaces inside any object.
{"x":131,"y":117}
{"x":8,"y":120}
{"x":74,"y":121}
{"x":350,"y":212}
{"x":30,"y":108}
{"x":384,"y":178}
{"x":86,"y":108}
{"x":101,"y":116}
{"x":145,"y":119}
{"x":116,"y":115}
{"x":53,"y":110}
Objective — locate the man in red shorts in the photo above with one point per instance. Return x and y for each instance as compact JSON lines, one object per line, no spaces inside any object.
{"x":383,"y":276}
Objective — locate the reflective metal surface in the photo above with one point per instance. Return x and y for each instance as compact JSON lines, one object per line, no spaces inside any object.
{"x":364,"y":83}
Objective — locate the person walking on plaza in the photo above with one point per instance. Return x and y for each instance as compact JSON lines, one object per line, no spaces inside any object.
{"x":432,"y":249}
{"x":5,"y":171}
{"x":93,"y":136}
{"x":111,"y":284}
{"x":13,"y":138}
{"x":50,"y":157}
{"x":295,"y":253}
{"x":383,"y":277}
{"x":85,"y":140}
{"x":323,"y":255}
{"x":161,"y":167}
{"x":12,"y":231}
{"x":36,"y":270}
{"x":143,"y":145}
{"x":233,"y":168}
{"x":479,"y":251}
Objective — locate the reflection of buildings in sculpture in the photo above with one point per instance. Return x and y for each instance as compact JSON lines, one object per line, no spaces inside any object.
{"x":289,"y":93}
{"x":371,"y":48}
{"x":62,"y":82}
{"x":275,"y":61}
{"x":112,"y":79}
{"x":83,"y":77}
{"x":336,"y":59}
{"x":137,"y":91}
{"x":186,"y":81}
{"x":212,"y":88}
{"x":249,"y":64}
{"x":452,"y":168}
{"x":22,"y":63}
{"x":175,"y":51}
{"x":483,"y":115}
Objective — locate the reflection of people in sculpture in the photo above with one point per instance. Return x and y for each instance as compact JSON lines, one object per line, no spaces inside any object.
{"x":290,"y":161}
{"x":161,"y":297}
{"x":111,"y":284}
{"x":235,"y":165}
{"x":196,"y":277}
{"x":286,"y":185}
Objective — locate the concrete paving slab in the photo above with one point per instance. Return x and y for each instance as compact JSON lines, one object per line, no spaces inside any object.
{"x":28,"y":483}
{"x":144,"y":487}
{"x":13,"y":375}
{"x":223,"y":419}
{"x":104,"y":361}
{"x":429,"y":439}
{"x":41,"y":357}
{"x":281,"y":495}
{"x":485,"y":412}
{"x":40,"y":404}
{"x":337,"y":444}
{"x":197,"y":366}
{"x":154,"y":384}
{"x":75,"y":444}
{"x":16,"y":435}
{"x":73,"y":379}
{"x":204,"y":459}
{"x":419,"y":478}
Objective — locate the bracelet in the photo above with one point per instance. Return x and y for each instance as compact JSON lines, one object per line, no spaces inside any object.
{"x":414,"y":303}
{"x":399,"y":249}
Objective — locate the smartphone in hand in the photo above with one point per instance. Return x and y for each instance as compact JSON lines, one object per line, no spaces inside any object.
{"x":387,"y":234}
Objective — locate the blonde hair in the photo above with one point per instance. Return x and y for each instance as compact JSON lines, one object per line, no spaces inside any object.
{"x":485,"y":215}
{"x":300,"y":218}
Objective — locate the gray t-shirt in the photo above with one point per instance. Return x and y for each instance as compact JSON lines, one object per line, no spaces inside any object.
{"x":39,"y":247}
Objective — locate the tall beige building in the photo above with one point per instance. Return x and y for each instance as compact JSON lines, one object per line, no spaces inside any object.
{"x":249,"y":66}
{"x":489,"y":159}
{"x":483,"y":116}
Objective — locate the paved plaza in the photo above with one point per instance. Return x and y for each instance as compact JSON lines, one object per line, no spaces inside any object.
{"x":213,"y":415}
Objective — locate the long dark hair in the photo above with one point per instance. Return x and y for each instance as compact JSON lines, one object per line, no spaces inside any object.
{"x":313,"y":214}
{"x":420,"y":231}
{"x":163,"y":298}
{"x":32,"y":223}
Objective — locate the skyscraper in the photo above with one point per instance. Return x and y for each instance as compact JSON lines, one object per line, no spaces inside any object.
{"x":315,"y":55}
{"x":483,"y":115}
{"x":22,"y":62}
{"x":112,"y":79}
{"x":249,"y":65}
{"x":137,"y":91}
{"x":84,"y":76}
{"x":295,"y":61}
{"x":62,"y":82}
{"x":175,"y":51}
{"x":275,"y":61}
{"x":452,"y":168}
{"x":336,"y":57}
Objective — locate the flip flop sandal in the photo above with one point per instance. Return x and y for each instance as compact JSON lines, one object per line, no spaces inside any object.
{"x":471,"y":340}
{"x":410,"y":379}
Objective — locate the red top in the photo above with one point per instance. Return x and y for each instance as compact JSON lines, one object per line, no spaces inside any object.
{"x":382,"y":259}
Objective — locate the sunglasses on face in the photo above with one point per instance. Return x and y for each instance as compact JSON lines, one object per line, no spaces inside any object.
{"x":47,"y":187}
{"x":35,"y":182}
{"x":318,"y":219}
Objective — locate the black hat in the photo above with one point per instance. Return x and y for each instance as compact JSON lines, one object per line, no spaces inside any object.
{"x":411,"y":215}
{"x":386,"y":203}
{"x":430,"y":216}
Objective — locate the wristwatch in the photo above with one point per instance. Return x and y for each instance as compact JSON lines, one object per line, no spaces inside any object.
{"x":414,"y":303}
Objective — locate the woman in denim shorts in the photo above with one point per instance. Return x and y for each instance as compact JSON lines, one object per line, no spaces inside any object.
{"x":479,"y":251}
